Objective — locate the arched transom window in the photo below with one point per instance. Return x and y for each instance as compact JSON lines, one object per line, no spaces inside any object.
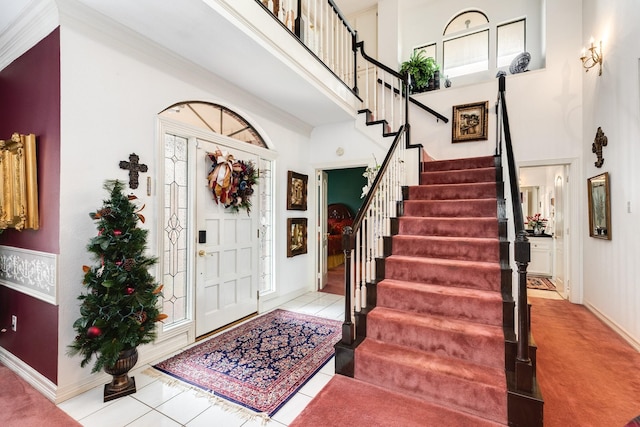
{"x":214,"y":118}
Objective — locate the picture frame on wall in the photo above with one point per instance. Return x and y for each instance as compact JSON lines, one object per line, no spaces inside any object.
{"x":470,"y":122}
{"x":599,"y":206}
{"x":296,"y":236}
{"x":297,"y":191}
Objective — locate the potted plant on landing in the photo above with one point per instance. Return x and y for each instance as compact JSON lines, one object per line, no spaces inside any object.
{"x":424,"y":72}
{"x":118,"y":311}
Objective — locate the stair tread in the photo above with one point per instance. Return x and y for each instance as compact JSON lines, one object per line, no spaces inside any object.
{"x":444,"y":290}
{"x":490,"y":265}
{"x":447,"y":239}
{"x":438,"y":322}
{"x":427,"y":361}
{"x":331,"y":408}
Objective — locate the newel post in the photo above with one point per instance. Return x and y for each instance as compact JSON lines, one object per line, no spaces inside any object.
{"x":348,"y":327}
{"x":524,"y":367}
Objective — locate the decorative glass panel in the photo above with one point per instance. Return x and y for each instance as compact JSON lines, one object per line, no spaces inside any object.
{"x":266,"y":280}
{"x":174,"y":302}
{"x":215,"y":118}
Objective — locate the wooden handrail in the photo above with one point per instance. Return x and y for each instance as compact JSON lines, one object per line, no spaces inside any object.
{"x":522,"y":252}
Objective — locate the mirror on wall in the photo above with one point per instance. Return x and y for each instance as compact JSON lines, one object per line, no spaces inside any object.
{"x":599,"y":206}
{"x":530,"y":198}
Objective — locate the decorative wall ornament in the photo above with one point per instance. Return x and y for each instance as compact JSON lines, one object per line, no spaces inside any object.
{"x":593,"y":58}
{"x":30,"y":272}
{"x":19,"y":183}
{"x":231,"y":181}
{"x":134,"y":168}
{"x":470,"y":122}
{"x":520,"y":63}
{"x":599,"y":141}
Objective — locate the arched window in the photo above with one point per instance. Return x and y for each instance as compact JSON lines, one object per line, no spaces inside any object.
{"x":466,"y":21}
{"x":214,"y":118}
{"x":466,"y":44}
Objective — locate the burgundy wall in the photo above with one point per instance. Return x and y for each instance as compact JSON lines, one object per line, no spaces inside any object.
{"x":30,"y":103}
{"x":35,"y":341}
{"x":30,"y":94}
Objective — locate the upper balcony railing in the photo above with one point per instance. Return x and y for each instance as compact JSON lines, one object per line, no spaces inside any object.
{"x":322,"y":28}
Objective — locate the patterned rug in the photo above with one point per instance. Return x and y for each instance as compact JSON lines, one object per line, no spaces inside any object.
{"x":259,"y":364}
{"x":542,"y":283}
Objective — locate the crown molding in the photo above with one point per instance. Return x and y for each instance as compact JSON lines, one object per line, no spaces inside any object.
{"x":34,"y":23}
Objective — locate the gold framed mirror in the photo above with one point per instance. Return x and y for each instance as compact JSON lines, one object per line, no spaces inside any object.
{"x":599,"y":206}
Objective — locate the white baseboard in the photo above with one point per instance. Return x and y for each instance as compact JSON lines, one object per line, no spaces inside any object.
{"x":613,"y":325}
{"x":30,"y":375}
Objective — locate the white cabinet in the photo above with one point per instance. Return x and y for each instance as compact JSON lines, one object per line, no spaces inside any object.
{"x":541,"y":256}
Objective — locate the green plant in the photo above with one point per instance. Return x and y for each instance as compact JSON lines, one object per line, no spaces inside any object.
{"x":119,"y":309}
{"x":420,"y":68}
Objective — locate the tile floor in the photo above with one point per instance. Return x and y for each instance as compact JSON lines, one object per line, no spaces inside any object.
{"x":159,"y":405}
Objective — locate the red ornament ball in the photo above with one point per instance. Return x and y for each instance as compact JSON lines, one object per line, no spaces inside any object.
{"x":130,"y":290}
{"x":94,"y":332}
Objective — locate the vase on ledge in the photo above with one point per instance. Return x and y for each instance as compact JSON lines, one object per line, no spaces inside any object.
{"x":538,"y":230}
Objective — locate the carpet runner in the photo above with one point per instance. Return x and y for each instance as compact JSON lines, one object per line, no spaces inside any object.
{"x":261,"y":363}
{"x":435,"y":339}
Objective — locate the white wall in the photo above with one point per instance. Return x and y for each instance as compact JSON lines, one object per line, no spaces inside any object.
{"x":611,"y":101}
{"x":111,"y":95}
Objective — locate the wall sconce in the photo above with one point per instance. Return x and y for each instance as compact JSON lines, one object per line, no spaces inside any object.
{"x":593,"y":57}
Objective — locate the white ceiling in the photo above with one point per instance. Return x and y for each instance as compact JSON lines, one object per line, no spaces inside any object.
{"x":348,"y":7}
{"x":195,"y":31}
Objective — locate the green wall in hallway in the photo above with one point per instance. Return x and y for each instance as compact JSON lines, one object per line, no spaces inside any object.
{"x":345,"y":186}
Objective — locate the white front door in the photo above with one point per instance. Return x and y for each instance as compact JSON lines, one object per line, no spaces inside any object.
{"x":226,"y":251}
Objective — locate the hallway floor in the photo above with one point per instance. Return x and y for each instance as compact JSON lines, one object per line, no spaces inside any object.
{"x":157,"y":404}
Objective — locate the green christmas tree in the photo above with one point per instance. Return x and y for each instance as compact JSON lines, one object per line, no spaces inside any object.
{"x":119,"y":308}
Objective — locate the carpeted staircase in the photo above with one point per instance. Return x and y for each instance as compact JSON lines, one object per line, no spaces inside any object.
{"x":434,"y":352}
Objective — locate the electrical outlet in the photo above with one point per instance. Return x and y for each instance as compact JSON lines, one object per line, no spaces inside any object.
{"x":14,"y":322}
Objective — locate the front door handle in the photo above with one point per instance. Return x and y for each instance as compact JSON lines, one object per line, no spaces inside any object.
{"x":201,"y":252}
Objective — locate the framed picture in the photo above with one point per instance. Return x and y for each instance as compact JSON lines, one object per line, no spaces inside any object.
{"x":470,"y":122}
{"x":296,"y":236}
{"x":19,"y":183}
{"x":297,"y":191}
{"x":599,"y":206}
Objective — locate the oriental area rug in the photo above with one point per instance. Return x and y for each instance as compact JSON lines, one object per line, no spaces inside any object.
{"x":259,"y":364}
{"x":543,"y":283}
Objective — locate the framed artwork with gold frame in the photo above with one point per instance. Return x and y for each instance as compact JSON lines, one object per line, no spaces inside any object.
{"x":296,"y":236}
{"x":297,"y":191}
{"x":470,"y":122}
{"x":19,"y":192}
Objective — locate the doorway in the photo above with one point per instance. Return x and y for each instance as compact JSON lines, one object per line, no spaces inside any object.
{"x":339,"y":200}
{"x":545,"y":191}
{"x":215,"y":261}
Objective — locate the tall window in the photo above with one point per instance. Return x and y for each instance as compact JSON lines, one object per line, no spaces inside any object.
{"x":466,"y":44}
{"x":511,"y":42}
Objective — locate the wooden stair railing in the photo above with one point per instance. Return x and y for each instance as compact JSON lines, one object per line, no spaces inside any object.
{"x":525,"y":404}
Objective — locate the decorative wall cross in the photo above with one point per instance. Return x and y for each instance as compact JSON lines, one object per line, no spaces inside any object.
{"x":134,"y":168}
{"x":600,"y":141}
